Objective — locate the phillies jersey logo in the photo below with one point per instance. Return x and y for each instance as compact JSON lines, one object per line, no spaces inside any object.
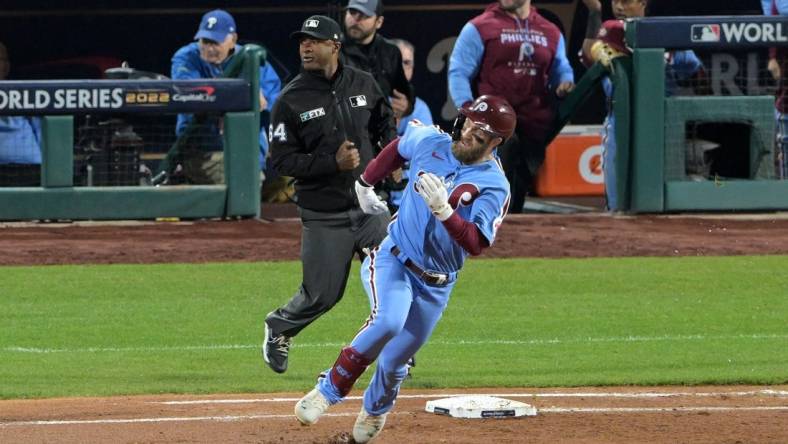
{"x":463,"y":194}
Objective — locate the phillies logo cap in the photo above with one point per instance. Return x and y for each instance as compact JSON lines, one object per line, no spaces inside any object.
{"x":215,"y":25}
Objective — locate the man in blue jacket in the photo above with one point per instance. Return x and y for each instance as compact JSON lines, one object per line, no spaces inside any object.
{"x":206,"y":58}
{"x":20,"y":143}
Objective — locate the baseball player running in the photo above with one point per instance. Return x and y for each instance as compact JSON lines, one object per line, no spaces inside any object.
{"x":457,"y":197}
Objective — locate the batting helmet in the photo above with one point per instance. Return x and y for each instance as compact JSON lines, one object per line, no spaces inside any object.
{"x":613,"y":33}
{"x":492,"y":114}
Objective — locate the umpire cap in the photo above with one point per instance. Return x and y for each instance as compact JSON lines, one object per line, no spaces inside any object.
{"x":319,"y":27}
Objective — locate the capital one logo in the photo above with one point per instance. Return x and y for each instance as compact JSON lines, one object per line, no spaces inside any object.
{"x":212,"y":22}
{"x":312,"y":23}
{"x":590,"y":165}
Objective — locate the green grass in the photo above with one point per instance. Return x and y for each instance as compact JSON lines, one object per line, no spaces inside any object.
{"x":131,"y":329}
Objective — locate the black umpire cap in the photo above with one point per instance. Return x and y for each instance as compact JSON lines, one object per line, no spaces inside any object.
{"x":319,"y":27}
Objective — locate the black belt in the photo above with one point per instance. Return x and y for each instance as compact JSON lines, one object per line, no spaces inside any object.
{"x":427,"y":276}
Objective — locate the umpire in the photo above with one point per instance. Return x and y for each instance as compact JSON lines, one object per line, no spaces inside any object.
{"x":322,"y":132}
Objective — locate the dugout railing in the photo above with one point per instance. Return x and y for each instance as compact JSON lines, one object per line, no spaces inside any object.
{"x":651,"y":128}
{"x":59,"y":101}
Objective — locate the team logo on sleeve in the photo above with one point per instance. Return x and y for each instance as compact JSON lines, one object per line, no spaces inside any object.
{"x":463,"y":194}
{"x":357,"y":101}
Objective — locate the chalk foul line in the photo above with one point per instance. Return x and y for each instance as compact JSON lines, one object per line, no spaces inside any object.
{"x":531,"y":342}
{"x":290,"y":417}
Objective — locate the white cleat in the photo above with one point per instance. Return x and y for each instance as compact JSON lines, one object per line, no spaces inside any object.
{"x":367,"y":427}
{"x":309,"y":409}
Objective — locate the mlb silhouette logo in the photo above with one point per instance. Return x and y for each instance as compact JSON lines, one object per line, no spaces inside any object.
{"x":705,"y":33}
{"x":357,"y":101}
{"x":312,"y":23}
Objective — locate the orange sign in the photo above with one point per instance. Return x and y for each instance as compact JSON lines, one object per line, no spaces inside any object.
{"x":572,"y":166}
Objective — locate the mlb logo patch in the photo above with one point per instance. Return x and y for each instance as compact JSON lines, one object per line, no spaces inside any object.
{"x":706,"y":33}
{"x":357,"y":101}
{"x":312,"y":23}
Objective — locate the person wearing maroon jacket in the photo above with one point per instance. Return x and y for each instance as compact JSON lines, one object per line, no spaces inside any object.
{"x":510,"y":50}
{"x":778,"y":64}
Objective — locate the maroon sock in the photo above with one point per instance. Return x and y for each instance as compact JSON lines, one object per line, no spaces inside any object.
{"x":349,"y":366}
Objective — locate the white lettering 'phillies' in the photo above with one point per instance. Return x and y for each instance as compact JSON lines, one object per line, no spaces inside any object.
{"x":754,"y":32}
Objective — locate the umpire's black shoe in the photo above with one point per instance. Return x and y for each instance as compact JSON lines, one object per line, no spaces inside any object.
{"x":275,"y":350}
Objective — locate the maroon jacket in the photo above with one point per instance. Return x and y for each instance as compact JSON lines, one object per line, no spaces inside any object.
{"x":523,"y":61}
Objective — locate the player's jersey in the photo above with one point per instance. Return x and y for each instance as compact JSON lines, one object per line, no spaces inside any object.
{"x":479,"y":193}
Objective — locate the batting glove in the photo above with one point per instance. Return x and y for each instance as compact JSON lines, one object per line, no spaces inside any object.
{"x":432,"y":189}
{"x":369,"y":202}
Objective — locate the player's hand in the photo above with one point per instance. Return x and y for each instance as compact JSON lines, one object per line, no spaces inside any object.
{"x":369,"y":202}
{"x":347,"y":156}
{"x":263,"y":102}
{"x":593,"y":5}
{"x":564,"y":89}
{"x":432,"y":189}
{"x":399,"y":103}
{"x":396,"y":175}
{"x":774,"y":69}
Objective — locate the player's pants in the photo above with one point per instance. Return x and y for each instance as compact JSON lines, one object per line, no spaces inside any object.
{"x":781,"y":151}
{"x":328,"y":243}
{"x":609,"y":162}
{"x":404,"y":312}
{"x":521,"y":158}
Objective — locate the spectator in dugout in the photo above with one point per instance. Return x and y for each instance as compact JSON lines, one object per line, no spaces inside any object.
{"x":511,"y":51}
{"x":207,"y":58}
{"x":421,"y":112}
{"x":778,"y":63}
{"x":605,"y":41}
{"x":364,"y":48}
{"x":20,"y":143}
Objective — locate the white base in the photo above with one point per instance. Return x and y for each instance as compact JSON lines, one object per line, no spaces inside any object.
{"x":479,"y":406}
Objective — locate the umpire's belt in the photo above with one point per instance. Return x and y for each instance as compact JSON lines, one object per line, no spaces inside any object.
{"x":432,"y":278}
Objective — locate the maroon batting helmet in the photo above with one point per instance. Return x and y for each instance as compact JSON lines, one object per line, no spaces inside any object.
{"x":613,"y":33}
{"x":492,"y":114}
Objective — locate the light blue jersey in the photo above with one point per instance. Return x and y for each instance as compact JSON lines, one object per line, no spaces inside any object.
{"x":479,"y":193}
{"x":404,"y":307}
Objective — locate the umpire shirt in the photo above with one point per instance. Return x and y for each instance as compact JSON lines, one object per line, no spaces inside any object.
{"x":309,"y":122}
{"x":383,"y":60}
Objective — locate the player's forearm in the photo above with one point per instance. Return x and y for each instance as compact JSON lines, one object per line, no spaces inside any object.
{"x":384,"y":164}
{"x":466,"y":234}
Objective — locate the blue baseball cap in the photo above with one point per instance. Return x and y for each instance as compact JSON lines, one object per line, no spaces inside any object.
{"x":215,"y":25}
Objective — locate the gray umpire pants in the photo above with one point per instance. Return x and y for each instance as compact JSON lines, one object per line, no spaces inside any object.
{"x":328,"y":243}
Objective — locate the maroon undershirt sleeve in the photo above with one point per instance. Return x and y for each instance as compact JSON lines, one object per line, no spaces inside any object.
{"x":466,"y":234}
{"x":384,"y":164}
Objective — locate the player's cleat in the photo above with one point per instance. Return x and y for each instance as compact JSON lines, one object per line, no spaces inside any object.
{"x":368,"y":426}
{"x":309,"y":409}
{"x":275,"y":350}
{"x":411,"y":363}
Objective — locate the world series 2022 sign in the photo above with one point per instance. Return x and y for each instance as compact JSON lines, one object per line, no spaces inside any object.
{"x":708,"y":32}
{"x":122,"y":96}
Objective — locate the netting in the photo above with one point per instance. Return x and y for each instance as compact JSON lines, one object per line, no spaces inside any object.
{"x":719,"y":121}
{"x":114,"y":150}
